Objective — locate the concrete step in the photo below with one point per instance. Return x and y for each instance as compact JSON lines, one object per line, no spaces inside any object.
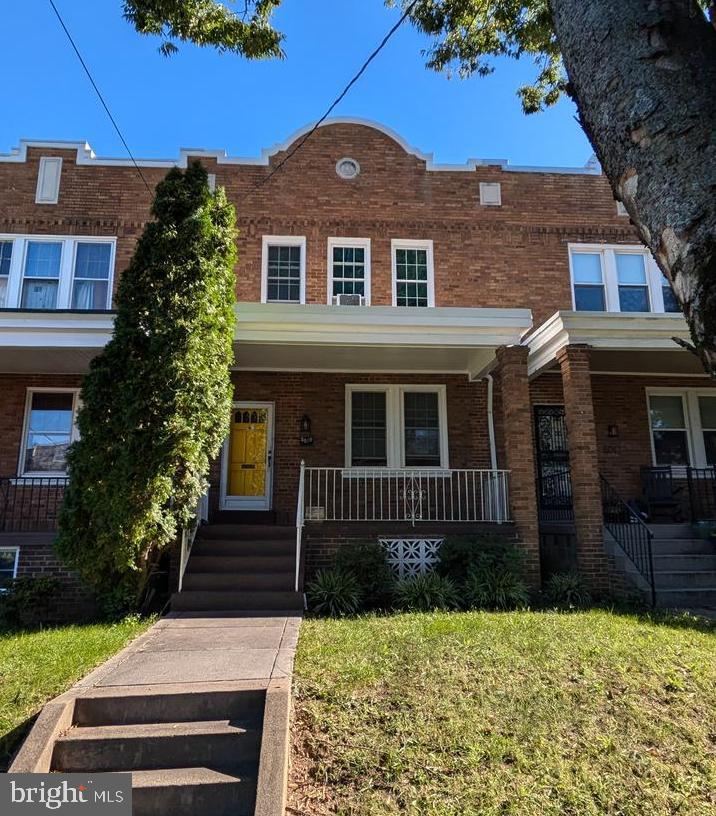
{"x":701,"y":597}
{"x":246,"y":532}
{"x":216,"y":743}
{"x":192,"y":792}
{"x":219,"y":601}
{"x":687,"y":546}
{"x":241,"y":564}
{"x":671,"y":530}
{"x":130,"y":705}
{"x":684,"y":562}
{"x":685,"y":579}
{"x":261,"y":546}
{"x":240,"y":582}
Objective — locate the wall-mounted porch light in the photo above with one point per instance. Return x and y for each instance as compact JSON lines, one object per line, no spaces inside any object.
{"x":305,"y":437}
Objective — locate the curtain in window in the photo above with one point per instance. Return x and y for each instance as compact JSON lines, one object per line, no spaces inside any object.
{"x":39,"y":294}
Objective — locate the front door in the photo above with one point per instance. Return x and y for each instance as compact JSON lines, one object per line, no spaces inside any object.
{"x":248,"y":456}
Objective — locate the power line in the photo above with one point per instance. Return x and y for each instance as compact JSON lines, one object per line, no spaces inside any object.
{"x":336,"y":101}
{"x":99,"y":94}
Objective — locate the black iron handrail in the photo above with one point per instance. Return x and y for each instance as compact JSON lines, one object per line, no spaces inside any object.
{"x":30,"y":504}
{"x":702,"y":493}
{"x":555,"y":496}
{"x":630,"y":531}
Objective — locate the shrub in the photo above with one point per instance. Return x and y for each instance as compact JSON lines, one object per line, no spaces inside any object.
{"x":423,"y":593}
{"x":369,"y":564}
{"x":567,"y":589}
{"x":334,"y":592}
{"x":495,"y":587}
{"x":461,"y":555}
{"x":156,"y":402}
{"x":28,"y":601}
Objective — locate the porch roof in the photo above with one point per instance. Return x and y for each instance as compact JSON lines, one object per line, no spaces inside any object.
{"x":280,"y":336}
{"x":622,"y":342}
{"x":51,"y":342}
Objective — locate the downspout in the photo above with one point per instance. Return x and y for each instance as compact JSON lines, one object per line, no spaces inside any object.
{"x":491,"y":422}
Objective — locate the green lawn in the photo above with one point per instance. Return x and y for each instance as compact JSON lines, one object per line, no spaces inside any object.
{"x":524,"y":713}
{"x":36,"y":666}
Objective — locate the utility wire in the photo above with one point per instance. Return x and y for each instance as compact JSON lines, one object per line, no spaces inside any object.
{"x":99,"y":94}
{"x":336,"y":101}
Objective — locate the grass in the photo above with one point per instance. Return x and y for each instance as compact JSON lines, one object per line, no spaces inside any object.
{"x":525,"y":713}
{"x":38,"y":665}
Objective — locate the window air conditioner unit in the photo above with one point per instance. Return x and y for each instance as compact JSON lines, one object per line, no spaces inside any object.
{"x":348,"y":300}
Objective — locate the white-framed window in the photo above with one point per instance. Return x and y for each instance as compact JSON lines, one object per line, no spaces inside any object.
{"x":348,"y":266}
{"x":46,"y":272}
{"x":48,"y":180}
{"x":283,"y":269}
{"x":9,"y":559}
{"x":682,"y":423}
{"x":617,"y":278}
{"x":413,"y":272}
{"x":50,"y":427}
{"x":396,"y":426}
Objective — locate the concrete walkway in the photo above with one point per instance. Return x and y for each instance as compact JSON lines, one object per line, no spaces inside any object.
{"x":204,"y":647}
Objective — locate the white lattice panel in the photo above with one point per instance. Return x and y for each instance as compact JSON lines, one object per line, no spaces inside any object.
{"x":412,"y":556}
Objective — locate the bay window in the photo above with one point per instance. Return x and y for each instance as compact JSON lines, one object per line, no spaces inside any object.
{"x":396,"y":426}
{"x":683,"y":426}
{"x":42,"y":273}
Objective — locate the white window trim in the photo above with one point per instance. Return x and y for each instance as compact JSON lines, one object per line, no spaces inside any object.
{"x":395,"y":426}
{"x":692,"y":418}
{"x":69,"y":243}
{"x":45,"y":162}
{"x":609,"y":274}
{"x":361,"y":243}
{"x":408,"y":243}
{"x":74,"y":436}
{"x":282,"y":240}
{"x":16,"y":563}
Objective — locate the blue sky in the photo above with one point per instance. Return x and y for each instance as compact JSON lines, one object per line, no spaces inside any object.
{"x":198,"y":98}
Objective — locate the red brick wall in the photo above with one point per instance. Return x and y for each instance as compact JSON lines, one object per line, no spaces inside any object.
{"x":509,"y":256}
{"x":322,"y":397}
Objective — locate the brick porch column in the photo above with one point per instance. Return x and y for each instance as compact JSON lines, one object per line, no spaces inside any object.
{"x":519,"y":452}
{"x":584,"y":465}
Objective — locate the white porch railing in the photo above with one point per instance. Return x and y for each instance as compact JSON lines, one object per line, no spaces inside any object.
{"x":341,"y":494}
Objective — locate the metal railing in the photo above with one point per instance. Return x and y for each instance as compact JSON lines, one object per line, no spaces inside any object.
{"x":30,"y":504}
{"x":299,"y":520}
{"x":702,"y":493}
{"x":188,"y":534}
{"x":630,"y":531}
{"x":555,"y":496}
{"x":385,"y":494}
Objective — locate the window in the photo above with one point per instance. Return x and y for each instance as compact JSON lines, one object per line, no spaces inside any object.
{"x":348,"y":268}
{"x":618,"y":278}
{"x":588,"y":278}
{"x":683,"y":426}
{"x":49,"y":431}
{"x":631,"y":278}
{"x":49,"y":272}
{"x":5,"y":258}
{"x":284,"y":269}
{"x":9,"y":557}
{"x":41,"y":278}
{"x":48,"y":180}
{"x":413,"y":281}
{"x":490,"y":194}
{"x":396,"y":426}
{"x":91,"y":276}
{"x":668,"y":429}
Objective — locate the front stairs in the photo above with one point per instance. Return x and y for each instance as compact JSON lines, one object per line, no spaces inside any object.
{"x":240,"y":567}
{"x":684,"y":568}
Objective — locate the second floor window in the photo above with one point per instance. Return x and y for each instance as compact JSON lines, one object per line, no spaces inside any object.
{"x":618,"y":278}
{"x":348,"y":269}
{"x":40,"y":274}
{"x":413,"y":278}
{"x":284,"y":270}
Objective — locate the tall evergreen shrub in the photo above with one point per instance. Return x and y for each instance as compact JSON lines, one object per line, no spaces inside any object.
{"x":156,"y":402}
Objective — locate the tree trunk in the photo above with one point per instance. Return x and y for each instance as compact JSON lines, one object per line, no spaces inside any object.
{"x":643,"y":76}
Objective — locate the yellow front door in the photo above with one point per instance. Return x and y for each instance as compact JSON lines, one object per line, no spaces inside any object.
{"x":248,"y":449}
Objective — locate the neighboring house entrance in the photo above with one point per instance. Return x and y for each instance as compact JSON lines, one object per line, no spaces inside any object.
{"x":554,"y":481}
{"x":246,"y":477}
